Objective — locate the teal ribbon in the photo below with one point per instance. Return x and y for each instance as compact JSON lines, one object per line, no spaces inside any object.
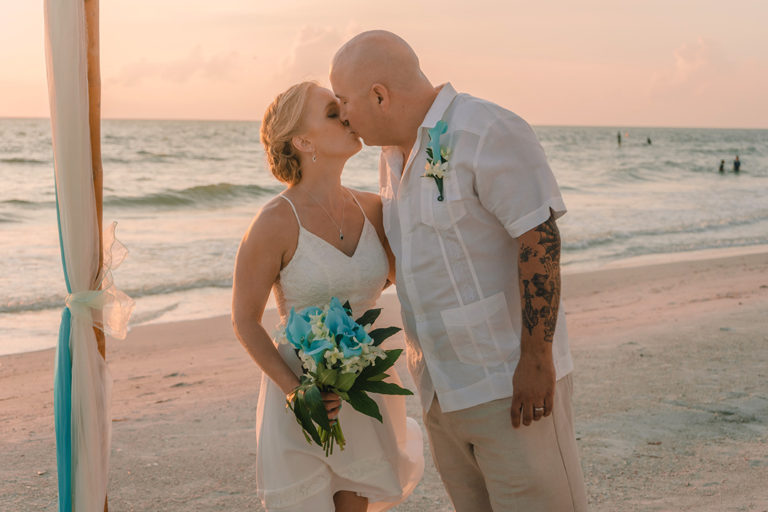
{"x":62,"y":391}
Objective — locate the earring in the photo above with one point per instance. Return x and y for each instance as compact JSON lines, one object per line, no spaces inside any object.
{"x":314,"y":157}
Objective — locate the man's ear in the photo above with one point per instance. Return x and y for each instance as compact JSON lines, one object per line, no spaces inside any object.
{"x":302,"y":144}
{"x":380,"y":95}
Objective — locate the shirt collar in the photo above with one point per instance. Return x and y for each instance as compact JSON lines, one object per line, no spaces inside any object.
{"x":435,"y":113}
{"x":439,"y":106}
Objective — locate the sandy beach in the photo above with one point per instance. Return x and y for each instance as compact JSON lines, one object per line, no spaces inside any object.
{"x":671,"y":400}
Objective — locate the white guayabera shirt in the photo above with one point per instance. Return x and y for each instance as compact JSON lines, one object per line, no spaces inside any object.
{"x":457,"y":277}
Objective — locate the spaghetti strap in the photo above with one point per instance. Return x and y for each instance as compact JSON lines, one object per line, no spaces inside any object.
{"x":358,"y":204}
{"x":292,"y":208}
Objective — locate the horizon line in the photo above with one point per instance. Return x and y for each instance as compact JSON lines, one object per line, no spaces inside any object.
{"x":554,"y":125}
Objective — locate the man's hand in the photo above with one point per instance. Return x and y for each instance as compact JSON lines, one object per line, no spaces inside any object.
{"x":534,"y":389}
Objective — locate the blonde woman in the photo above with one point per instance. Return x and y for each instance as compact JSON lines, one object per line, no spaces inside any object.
{"x":315,"y":240}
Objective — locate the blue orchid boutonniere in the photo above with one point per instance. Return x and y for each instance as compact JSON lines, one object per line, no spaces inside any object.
{"x":437,"y":157}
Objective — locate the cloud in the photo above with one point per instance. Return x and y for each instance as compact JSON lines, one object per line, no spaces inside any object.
{"x":695,"y":66}
{"x":194,"y":65}
{"x":311,"y":53}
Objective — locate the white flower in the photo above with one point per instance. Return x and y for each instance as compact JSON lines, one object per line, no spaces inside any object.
{"x":333,"y":356}
{"x":320,"y":331}
{"x":367,"y":356}
{"x":351,"y":365}
{"x":380,"y":352}
{"x":436,"y":170}
{"x":445,"y":153}
{"x":371,"y":353}
{"x":308,"y":362}
{"x":279,"y":335}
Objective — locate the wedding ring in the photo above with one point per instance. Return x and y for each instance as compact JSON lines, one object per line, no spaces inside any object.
{"x":538,"y":410}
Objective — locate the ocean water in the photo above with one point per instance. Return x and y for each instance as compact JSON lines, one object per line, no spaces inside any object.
{"x":183,"y":193}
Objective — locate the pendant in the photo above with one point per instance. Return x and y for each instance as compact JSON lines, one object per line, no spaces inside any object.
{"x":341,"y":236}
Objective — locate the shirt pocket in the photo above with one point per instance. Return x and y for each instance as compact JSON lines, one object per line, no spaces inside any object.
{"x":481,"y":333}
{"x":441,"y":214}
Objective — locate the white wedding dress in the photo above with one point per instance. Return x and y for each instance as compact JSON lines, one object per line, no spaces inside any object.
{"x":381,"y":461}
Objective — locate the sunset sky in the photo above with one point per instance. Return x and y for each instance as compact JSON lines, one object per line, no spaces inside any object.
{"x":618,"y":63}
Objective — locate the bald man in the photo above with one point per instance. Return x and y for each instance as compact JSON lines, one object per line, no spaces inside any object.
{"x":469,"y":205}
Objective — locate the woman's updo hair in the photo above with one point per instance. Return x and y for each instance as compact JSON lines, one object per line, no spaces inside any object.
{"x":282,"y":121}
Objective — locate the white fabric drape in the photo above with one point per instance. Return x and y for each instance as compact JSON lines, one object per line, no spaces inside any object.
{"x":66,"y":59}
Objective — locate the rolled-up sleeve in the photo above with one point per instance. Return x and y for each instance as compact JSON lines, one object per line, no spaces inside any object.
{"x":513,"y":178}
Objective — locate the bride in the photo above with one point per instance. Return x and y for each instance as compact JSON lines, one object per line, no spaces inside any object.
{"x":314,"y":241}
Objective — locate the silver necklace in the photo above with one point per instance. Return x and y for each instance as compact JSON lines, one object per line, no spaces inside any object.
{"x":343,"y":205}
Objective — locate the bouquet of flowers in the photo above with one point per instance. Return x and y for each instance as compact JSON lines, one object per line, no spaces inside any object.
{"x":342,"y":356}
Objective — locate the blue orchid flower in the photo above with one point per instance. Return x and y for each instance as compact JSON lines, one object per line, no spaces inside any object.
{"x":336,"y":320}
{"x":308,"y":313}
{"x":297,"y":329}
{"x":316,"y":349}
{"x":361,"y":336}
{"x":349,"y":346}
{"x":434,"y":138}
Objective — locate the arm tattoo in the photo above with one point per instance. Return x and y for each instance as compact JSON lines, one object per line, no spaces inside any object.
{"x":527,"y":252}
{"x":549,"y":239}
{"x":530,"y":315}
{"x":546,"y":285}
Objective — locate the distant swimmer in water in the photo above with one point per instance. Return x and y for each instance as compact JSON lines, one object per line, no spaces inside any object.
{"x":722,"y":166}
{"x":649,"y":141}
{"x":736,"y":164}
{"x":618,"y":137}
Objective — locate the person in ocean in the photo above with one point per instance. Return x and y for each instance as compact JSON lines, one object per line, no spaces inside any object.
{"x":736,"y":164}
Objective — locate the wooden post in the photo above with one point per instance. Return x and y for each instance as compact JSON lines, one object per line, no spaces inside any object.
{"x":94,"y":121}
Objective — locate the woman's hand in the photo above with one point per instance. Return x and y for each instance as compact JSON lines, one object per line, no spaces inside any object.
{"x":332,"y":403}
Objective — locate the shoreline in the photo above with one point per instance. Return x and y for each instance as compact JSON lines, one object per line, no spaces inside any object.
{"x":649,"y":260}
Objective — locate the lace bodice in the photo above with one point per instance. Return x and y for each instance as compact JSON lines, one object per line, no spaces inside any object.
{"x":319,"y":271}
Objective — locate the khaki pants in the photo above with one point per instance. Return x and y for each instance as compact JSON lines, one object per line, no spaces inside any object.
{"x":486,"y":465}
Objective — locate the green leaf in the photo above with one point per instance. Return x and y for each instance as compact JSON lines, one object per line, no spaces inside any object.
{"x":380,"y":376}
{"x":314,"y":402}
{"x":364,"y":404}
{"x":384,"y":388}
{"x":302,"y":414}
{"x":345,"y":381}
{"x":347,"y":307}
{"x":326,"y":377}
{"x":380,"y":335}
{"x":368,"y":317}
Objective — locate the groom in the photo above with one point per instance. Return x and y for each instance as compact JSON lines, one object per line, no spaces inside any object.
{"x":469,"y":206}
